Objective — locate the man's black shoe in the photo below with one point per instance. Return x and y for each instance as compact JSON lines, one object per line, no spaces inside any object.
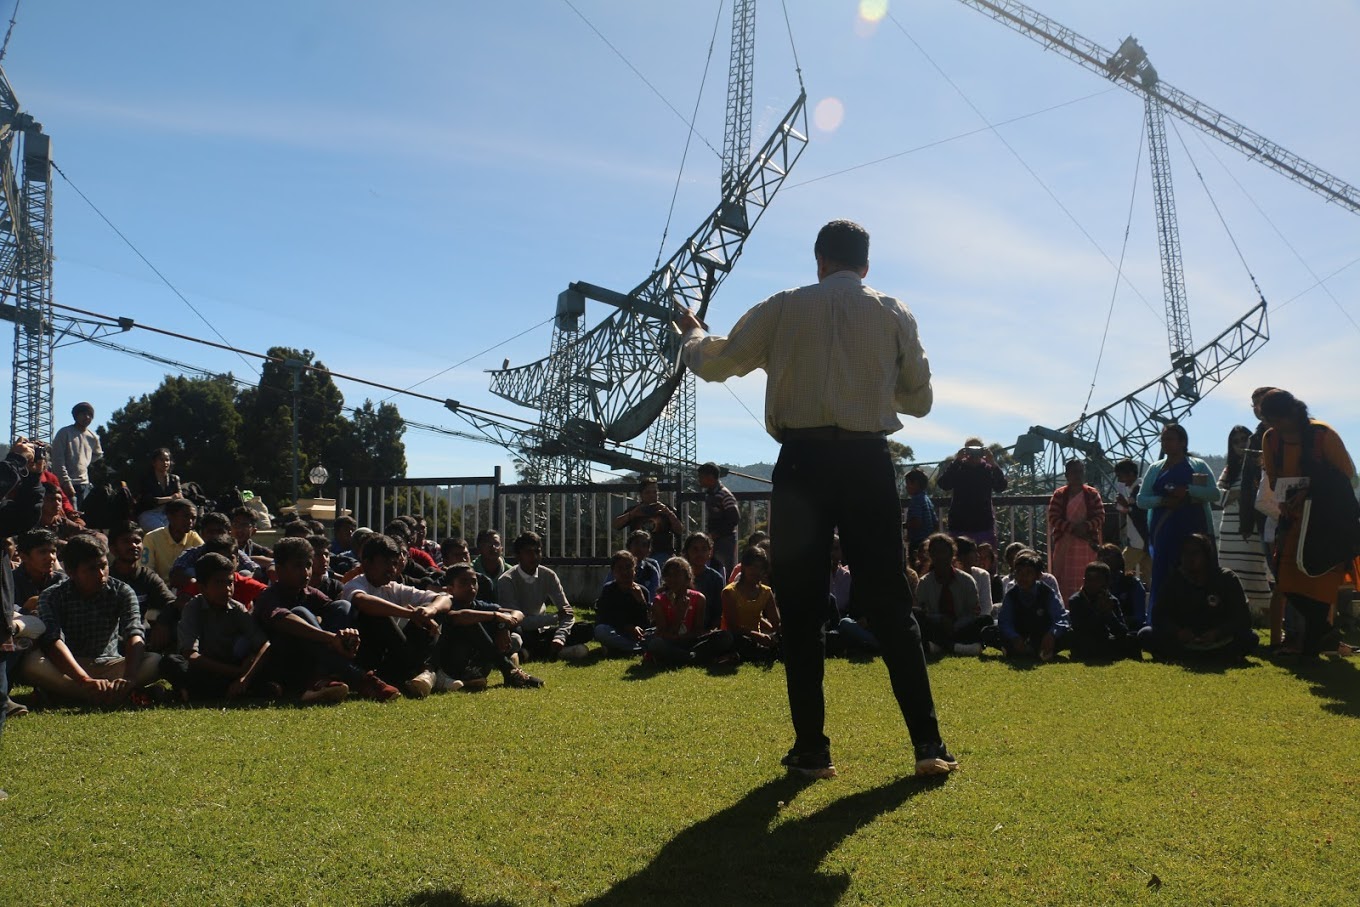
{"x":934,"y":759}
{"x":810,"y":764}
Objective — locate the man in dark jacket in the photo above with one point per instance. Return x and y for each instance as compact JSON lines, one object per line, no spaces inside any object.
{"x":973,"y":477}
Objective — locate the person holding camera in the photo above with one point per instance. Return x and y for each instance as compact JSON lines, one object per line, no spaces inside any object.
{"x":650,"y":514}
{"x":973,"y":477}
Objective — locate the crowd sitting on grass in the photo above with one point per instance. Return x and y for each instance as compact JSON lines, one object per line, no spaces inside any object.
{"x":196,"y":608}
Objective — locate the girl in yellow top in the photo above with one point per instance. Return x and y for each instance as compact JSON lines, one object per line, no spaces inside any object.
{"x":749,"y":610}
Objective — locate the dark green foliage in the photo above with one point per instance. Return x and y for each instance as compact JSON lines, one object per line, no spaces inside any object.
{"x":224,"y":437}
{"x":196,"y":418}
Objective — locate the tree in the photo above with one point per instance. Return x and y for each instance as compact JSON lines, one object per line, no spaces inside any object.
{"x":223,"y":438}
{"x":196,"y":418}
{"x":372,"y":447}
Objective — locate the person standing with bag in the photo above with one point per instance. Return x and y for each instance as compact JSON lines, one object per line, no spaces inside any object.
{"x":1297,"y":453}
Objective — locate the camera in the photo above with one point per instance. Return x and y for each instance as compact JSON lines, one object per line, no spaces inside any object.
{"x":975,"y":452}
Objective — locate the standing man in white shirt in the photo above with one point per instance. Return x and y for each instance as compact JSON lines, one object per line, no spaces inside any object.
{"x":842,"y":361}
{"x":74,"y":448}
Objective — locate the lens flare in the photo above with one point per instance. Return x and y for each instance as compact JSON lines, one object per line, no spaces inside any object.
{"x":828,"y":114}
{"x":873,"y":10}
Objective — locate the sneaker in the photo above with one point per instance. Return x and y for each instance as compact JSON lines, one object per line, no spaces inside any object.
{"x":574,"y":653}
{"x":934,"y":759}
{"x":371,"y":686}
{"x":474,"y":683}
{"x":810,"y":764}
{"x":520,"y":680}
{"x":444,"y":683}
{"x":967,"y":648}
{"x":15,"y":709}
{"x":420,"y":685}
{"x":325,"y":691}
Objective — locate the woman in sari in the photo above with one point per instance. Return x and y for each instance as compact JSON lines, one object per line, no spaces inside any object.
{"x":1176,"y":492}
{"x":1075,"y":517}
{"x":1297,"y":447}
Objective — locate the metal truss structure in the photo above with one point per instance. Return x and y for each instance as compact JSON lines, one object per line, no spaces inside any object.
{"x":623,"y":377}
{"x":26,"y":262}
{"x":1129,"y":68}
{"x":1131,"y":426}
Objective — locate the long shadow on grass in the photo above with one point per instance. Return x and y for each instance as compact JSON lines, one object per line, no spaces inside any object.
{"x":736,"y":857}
{"x":1334,"y":679}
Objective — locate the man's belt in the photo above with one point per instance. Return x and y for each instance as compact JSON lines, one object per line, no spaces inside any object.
{"x":829,"y":433}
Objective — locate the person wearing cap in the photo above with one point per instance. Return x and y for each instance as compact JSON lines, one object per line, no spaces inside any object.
{"x":842,"y":360}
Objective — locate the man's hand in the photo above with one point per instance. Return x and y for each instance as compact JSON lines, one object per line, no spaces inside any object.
{"x":687,"y":322}
{"x":510,"y":617}
{"x":639,"y":593}
{"x":345,"y":642}
{"x":119,"y":689}
{"x":639,"y":634}
{"x":1046,"y":647}
{"x":237,"y":688}
{"x":424,"y":617}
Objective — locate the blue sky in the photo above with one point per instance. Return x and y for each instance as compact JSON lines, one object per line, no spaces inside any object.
{"x":400,"y":186}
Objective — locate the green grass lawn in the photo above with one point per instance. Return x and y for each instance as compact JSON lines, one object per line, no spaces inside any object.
{"x":619,"y":786}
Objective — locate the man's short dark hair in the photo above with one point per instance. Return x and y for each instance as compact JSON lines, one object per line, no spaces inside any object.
{"x":457,"y":570}
{"x":918,"y":476}
{"x":528,"y":540}
{"x":180,"y":505}
{"x":639,"y":535}
{"x":35,"y":538}
{"x":965,"y":546}
{"x":82,"y":549}
{"x":485,"y":536}
{"x":210,"y":566}
{"x":381,"y":546}
{"x":243,"y":513}
{"x":1125,"y":467}
{"x":224,"y":545}
{"x":1097,"y":567}
{"x":622,"y":557}
{"x":214,"y":520}
{"x":296,"y":529}
{"x":708,"y":469}
{"x":319,"y":543}
{"x":82,"y":407}
{"x":1029,"y":558}
{"x":398,"y":529}
{"x":447,"y":546}
{"x":843,"y":242}
{"x":316,"y":526}
{"x":293,"y":549}
{"x":346,"y":522}
{"x":126,"y":527}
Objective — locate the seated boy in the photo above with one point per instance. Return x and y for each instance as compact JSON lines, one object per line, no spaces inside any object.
{"x":967,"y":557}
{"x":1098,"y":629}
{"x":310,"y":636}
{"x":399,"y":624}
{"x":708,"y":581}
{"x":622,"y":612}
{"x":1032,"y":621}
{"x":947,"y":605}
{"x":474,"y":637}
{"x":528,"y":588}
{"x":37,"y":572}
{"x":92,"y":647}
{"x":919,"y":514}
{"x":222,"y":650}
{"x":647,"y":573}
{"x":161,"y":547}
{"x":1201,"y":610}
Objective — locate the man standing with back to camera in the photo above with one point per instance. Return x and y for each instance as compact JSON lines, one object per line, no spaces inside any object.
{"x":842,"y":361}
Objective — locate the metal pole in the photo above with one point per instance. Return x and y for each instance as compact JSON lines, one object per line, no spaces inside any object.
{"x":296,"y":366}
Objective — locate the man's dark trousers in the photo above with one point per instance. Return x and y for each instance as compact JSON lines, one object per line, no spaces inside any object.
{"x":819,"y":486}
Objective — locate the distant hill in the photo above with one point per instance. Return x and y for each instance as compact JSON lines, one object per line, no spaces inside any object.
{"x":738,"y":483}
